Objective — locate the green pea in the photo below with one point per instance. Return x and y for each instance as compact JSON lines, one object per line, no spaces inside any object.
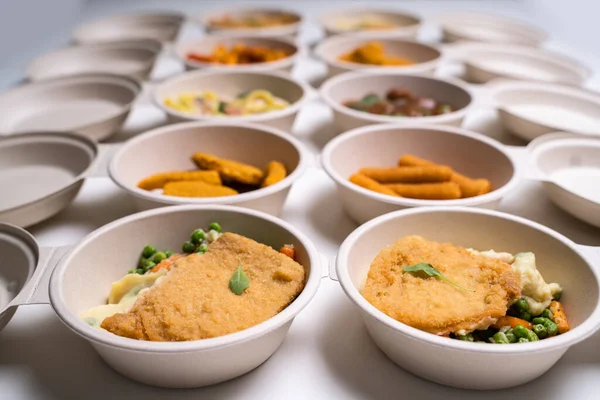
{"x":521,"y":305}
{"x":169,"y":253}
{"x":147,"y":265}
{"x":540,"y":331}
{"x":214,"y":226}
{"x":525,"y":315}
{"x":547,"y":314}
{"x":198,"y":236}
{"x":551,"y":327}
{"x":500,"y":338}
{"x":557,"y":296}
{"x":520,"y":331}
{"x":132,"y":271}
{"x":510,"y":335}
{"x":142,"y":261}
{"x":140,"y":271}
{"x":523,"y":340}
{"x":188,"y":247}
{"x":539,"y":320}
{"x":202,"y":248}
{"x":467,"y":338}
{"x":158,"y":257}
{"x":148,"y":251}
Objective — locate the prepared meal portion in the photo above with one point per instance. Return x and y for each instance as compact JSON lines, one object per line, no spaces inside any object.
{"x":211,"y":103}
{"x":364,"y":22}
{"x":417,"y":178}
{"x":399,"y":103}
{"x":262,"y":19}
{"x":219,"y":283}
{"x":465,"y":294}
{"x":373,"y":53}
{"x":239,"y":54}
{"x":216,"y":177}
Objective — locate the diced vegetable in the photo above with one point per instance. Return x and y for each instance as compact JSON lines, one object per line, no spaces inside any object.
{"x":511,"y":321}
{"x":559,"y":317}
{"x":289,"y":251}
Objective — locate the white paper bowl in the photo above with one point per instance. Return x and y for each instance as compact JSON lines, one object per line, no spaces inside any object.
{"x":288,"y":31}
{"x":355,"y":85}
{"x":481,"y":27}
{"x":408,"y":24}
{"x":231,"y":84}
{"x":485,"y":62}
{"x":132,"y":58}
{"x":162,"y":26}
{"x":462,"y":364}
{"x":83,"y":279}
{"x":171,"y":148}
{"x":530,"y":109}
{"x":206,"y":44}
{"x":382,"y":145}
{"x":426,"y":57}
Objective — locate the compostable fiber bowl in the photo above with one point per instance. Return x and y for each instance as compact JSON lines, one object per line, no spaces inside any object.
{"x":83,"y":278}
{"x":463,"y":364}
{"x":469,"y":153}
{"x":355,"y":85}
{"x":425,"y":57}
{"x":406,"y":25}
{"x":230,"y":84}
{"x":171,"y":148}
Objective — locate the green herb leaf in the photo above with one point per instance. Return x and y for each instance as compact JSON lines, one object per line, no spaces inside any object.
{"x":239,"y":281}
{"x":431,"y":271}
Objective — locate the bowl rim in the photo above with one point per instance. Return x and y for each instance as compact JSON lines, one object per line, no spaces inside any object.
{"x":293,"y":108}
{"x":263,"y":66}
{"x":332,"y":59}
{"x":325,"y":19}
{"x":381,"y":119}
{"x":587,"y":328}
{"x":98,"y":336}
{"x":292,"y":28}
{"x":285,"y":183}
{"x":132,"y":84}
{"x":494,"y":195}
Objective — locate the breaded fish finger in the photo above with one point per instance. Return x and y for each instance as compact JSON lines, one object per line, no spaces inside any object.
{"x":368,"y":183}
{"x":229,"y":169}
{"x":427,"y":191}
{"x":274,"y":173}
{"x":196,"y":189}
{"x":158,"y":181}
{"x":417,"y":174}
{"x":468,"y":187}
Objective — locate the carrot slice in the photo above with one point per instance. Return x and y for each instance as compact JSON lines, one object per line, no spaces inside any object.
{"x":511,"y":321}
{"x":559,"y":317}
{"x":289,"y":251}
{"x":168,"y":263}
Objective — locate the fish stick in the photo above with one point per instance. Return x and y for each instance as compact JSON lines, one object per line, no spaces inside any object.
{"x":275,"y":172}
{"x":229,"y":169}
{"x":158,"y":181}
{"x":427,"y":191}
{"x":469,"y":187}
{"x":368,"y":183}
{"x":418,"y":174}
{"x":196,"y":189}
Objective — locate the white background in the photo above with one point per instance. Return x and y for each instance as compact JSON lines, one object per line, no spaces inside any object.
{"x":327,"y":353}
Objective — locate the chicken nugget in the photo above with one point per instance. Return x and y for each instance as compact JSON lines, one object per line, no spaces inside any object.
{"x":228,"y":169}
{"x":196,"y":189}
{"x":158,"y":181}
{"x":417,"y":174}
{"x":275,"y":172}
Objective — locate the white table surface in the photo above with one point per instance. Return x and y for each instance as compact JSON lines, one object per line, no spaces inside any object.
{"x":328,"y":353}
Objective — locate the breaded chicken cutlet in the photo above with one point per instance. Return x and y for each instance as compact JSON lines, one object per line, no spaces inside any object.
{"x":194,"y":300}
{"x":432,"y":304}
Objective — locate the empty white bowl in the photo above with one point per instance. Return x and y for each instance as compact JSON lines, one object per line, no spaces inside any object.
{"x":470,"y":153}
{"x":206,"y":44}
{"x":84,"y":276}
{"x":458,"y":363}
{"x":340,"y":21}
{"x":92,"y":105}
{"x":481,"y":27}
{"x":355,"y":85}
{"x":530,"y":109}
{"x":426,"y":58}
{"x":162,"y":26}
{"x":231,"y":84}
{"x":288,"y":31}
{"x":133,"y":58}
{"x":569,"y":168}
{"x":171,"y":148}
{"x":484,"y":62}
